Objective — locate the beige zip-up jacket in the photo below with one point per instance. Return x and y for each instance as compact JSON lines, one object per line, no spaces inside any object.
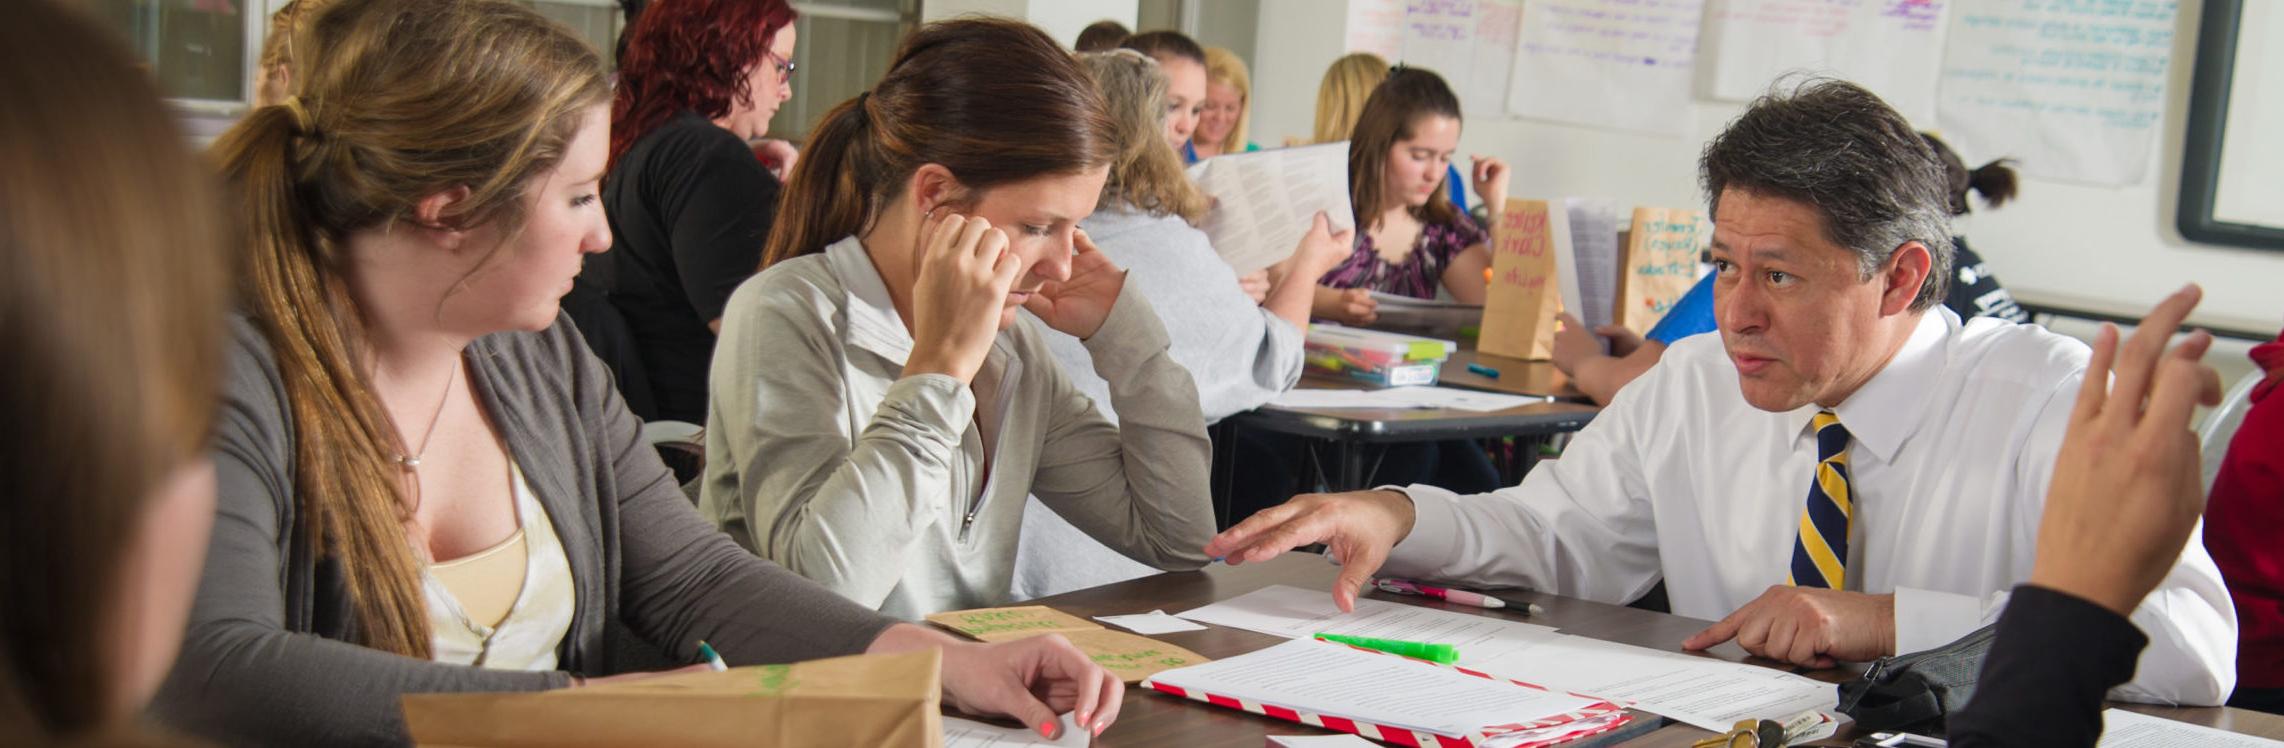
{"x":822,"y":456}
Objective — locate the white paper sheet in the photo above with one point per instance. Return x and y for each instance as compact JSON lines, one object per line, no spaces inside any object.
{"x":1264,"y":201}
{"x":1314,"y":676}
{"x":1150,"y":624}
{"x":1587,"y":257}
{"x":1620,"y":65}
{"x":1705,"y":692}
{"x":2124,"y":729}
{"x":1447,"y":398}
{"x":1471,"y":43}
{"x":2073,"y":91}
{"x":1295,"y":613}
{"x":1701,"y":691}
{"x":966,"y":733}
{"x":1882,"y":45}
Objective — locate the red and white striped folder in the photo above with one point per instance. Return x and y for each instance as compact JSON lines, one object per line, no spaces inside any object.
{"x":1600,"y":717}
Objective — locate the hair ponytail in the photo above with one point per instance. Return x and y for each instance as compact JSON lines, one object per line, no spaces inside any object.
{"x":993,"y":101}
{"x":352,"y":499}
{"x":1995,"y":181}
{"x":810,"y":217}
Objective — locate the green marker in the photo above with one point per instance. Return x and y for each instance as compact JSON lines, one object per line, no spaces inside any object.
{"x":1443,"y":654}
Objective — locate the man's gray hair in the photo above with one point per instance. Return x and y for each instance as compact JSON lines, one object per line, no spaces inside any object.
{"x":1836,"y":147}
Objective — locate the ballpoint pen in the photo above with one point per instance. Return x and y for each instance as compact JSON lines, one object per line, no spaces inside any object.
{"x":1462,"y":597}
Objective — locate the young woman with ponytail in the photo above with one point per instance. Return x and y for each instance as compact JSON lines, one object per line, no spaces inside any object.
{"x":426,"y":482}
{"x":878,"y":413}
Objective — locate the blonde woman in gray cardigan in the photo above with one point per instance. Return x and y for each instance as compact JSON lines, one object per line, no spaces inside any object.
{"x":424,"y":482}
{"x":1242,"y":353}
{"x":878,"y":413}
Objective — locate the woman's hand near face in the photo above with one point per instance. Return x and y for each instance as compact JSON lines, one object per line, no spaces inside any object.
{"x":1077,"y":305}
{"x":1490,"y":176}
{"x":965,"y":274}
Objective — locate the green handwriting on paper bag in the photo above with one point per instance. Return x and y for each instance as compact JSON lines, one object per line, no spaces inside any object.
{"x":771,"y":680}
{"x":992,"y":622}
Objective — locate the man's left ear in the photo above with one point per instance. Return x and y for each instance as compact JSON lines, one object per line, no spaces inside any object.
{"x":1906,"y":271}
{"x":430,"y":216}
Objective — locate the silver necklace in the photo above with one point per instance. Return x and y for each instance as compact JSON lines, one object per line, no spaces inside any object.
{"x":411,"y":464}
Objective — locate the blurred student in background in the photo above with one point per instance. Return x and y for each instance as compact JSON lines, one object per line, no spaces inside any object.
{"x":111,"y":314}
{"x":1228,"y":105}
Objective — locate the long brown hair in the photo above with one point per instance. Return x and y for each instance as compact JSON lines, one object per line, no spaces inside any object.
{"x":1147,"y":173}
{"x":111,"y":314}
{"x":994,"y":101}
{"x":1390,"y":117}
{"x":409,"y":98}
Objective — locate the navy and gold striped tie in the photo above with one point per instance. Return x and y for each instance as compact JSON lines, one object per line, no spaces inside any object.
{"x":1820,"y":552}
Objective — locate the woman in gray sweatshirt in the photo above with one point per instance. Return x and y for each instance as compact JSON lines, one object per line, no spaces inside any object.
{"x":424,"y":480}
{"x":878,"y":410}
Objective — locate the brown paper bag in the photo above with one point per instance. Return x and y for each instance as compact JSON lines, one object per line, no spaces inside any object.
{"x":1518,"y":315}
{"x":1131,"y":657}
{"x":863,"y":700}
{"x":1661,"y":264}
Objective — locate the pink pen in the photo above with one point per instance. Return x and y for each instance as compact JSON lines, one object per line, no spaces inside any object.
{"x":1462,"y":597}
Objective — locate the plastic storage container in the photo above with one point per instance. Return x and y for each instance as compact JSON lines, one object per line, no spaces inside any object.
{"x":1375,"y":358}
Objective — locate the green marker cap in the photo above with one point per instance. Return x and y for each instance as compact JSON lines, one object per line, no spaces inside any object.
{"x":1442,"y":654}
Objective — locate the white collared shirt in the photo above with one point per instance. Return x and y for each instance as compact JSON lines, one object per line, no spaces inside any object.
{"x":1952,"y":445}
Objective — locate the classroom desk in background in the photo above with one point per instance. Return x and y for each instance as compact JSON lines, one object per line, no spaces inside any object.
{"x":1154,"y":719}
{"x":1352,"y":432}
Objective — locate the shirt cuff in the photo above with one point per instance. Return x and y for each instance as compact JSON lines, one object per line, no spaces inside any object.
{"x":935,"y":401}
{"x":1926,"y":619}
{"x":1435,"y":529}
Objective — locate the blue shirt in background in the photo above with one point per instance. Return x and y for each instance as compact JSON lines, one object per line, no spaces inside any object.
{"x":1691,"y":315}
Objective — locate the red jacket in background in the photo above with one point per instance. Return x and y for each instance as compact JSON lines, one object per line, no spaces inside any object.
{"x":2244,"y":527}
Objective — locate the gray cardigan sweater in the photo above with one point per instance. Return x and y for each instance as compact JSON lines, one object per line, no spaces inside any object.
{"x":267,"y":658}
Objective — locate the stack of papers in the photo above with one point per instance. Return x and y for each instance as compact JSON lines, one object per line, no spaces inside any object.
{"x":1437,"y":316}
{"x":1404,"y":398}
{"x":1307,"y":678}
{"x":1701,"y":691}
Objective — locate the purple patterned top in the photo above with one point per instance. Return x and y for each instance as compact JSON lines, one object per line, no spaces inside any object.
{"x":1419,"y":273}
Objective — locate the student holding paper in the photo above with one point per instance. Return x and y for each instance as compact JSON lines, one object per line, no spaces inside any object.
{"x":879,"y":409}
{"x":111,"y":314}
{"x":1241,"y":354}
{"x":1847,"y":471}
{"x":425,"y":482}
{"x":1414,"y":241}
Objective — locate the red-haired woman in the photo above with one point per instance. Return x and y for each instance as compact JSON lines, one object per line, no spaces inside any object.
{"x":689,"y":204}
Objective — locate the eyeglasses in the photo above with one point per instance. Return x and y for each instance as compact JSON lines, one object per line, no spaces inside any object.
{"x":784,"y":66}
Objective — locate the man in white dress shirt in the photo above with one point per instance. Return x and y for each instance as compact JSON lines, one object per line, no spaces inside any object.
{"x":1846,"y":472}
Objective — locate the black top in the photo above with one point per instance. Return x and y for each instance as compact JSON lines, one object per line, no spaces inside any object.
{"x":690,"y":207}
{"x":1975,"y":292}
{"x":2042,"y":684}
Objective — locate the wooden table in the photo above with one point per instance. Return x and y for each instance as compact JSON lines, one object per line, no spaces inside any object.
{"x":1154,"y":719}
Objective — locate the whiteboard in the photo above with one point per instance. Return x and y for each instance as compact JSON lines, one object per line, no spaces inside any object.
{"x":2230,"y":189}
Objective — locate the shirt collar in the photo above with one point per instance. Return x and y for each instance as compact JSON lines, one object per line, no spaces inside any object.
{"x":873,"y":322}
{"x":1881,"y":415}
